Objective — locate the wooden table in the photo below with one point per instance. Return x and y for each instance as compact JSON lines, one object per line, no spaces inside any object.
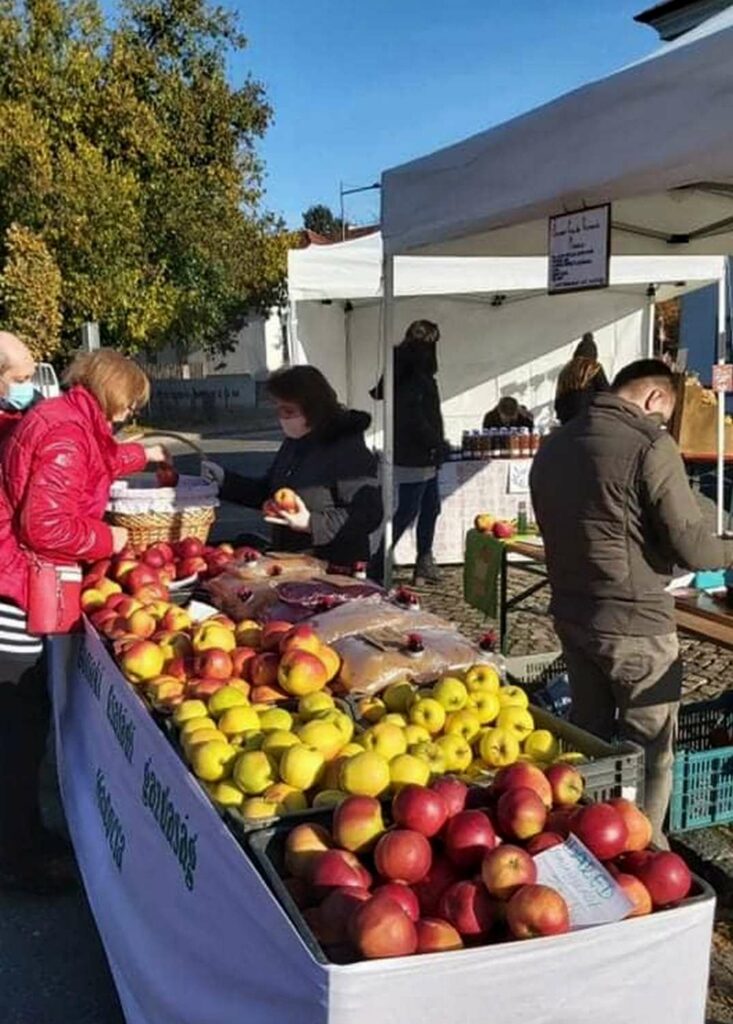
{"x":696,"y":612}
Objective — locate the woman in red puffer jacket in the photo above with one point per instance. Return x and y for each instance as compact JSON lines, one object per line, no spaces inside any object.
{"x":56,"y":470}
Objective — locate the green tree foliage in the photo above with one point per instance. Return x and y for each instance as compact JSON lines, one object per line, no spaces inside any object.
{"x":30,"y":291}
{"x":323,"y":221}
{"x":126,"y":152}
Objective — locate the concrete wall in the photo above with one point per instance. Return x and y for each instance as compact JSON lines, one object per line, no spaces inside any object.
{"x":219,"y":399}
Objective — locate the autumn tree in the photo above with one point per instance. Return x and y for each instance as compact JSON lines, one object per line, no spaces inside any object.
{"x":126,"y":152}
{"x":323,"y":221}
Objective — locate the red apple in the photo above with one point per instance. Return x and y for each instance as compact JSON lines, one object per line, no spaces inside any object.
{"x":632,"y":863}
{"x":403,"y":855}
{"x":602,"y":829}
{"x":336,"y":911}
{"x":213,"y":664}
{"x":302,"y":637}
{"x":273,"y":633}
{"x":537,"y":910}
{"x":154,"y":559}
{"x":523,"y":775}
{"x":140,"y":576}
{"x":543,"y":841}
{"x":437,"y":936}
{"x":179,"y":668}
{"x":402,"y":894}
{"x":165,"y":550}
{"x":520,"y":814}
{"x":559,"y":821}
{"x":150,"y":593}
{"x":567,"y":784}
{"x":303,"y":845}
{"x":502,"y":530}
{"x":637,"y":892}
{"x":441,"y":876}
{"x":262,"y":669}
{"x":358,"y":823}
{"x":190,"y":567}
{"x":453,"y":791}
{"x":166,"y":476}
{"x":468,"y":907}
{"x":506,"y":869}
{"x":667,"y":878}
{"x":638,"y":826}
{"x":468,"y":836}
{"x":100,"y":568}
{"x":240,"y":656}
{"x":423,"y":810}
{"x":332,"y":869}
{"x":189,"y":547}
{"x":202,"y":688}
{"x":381,"y":928}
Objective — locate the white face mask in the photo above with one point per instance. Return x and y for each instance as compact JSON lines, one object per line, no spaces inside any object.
{"x":294,"y":427}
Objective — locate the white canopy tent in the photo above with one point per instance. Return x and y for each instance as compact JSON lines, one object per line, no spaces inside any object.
{"x":653,"y":139}
{"x":500,"y":332}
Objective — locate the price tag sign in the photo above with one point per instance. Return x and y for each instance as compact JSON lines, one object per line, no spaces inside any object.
{"x":591,"y":893}
{"x":723,"y":377}
{"x":579,"y":246}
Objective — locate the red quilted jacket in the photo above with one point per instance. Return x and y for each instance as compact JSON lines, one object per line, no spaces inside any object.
{"x":8,"y":420}
{"x":56,"y":469}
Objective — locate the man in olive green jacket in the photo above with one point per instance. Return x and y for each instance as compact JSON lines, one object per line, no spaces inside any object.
{"x":616,"y":513}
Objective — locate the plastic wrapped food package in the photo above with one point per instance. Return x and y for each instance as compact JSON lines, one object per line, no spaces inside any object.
{"x":276,"y":565}
{"x":370,"y":665}
{"x":288,"y":599}
{"x":372,"y":613}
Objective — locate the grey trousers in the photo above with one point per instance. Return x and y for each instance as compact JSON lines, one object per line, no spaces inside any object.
{"x":629,"y":687}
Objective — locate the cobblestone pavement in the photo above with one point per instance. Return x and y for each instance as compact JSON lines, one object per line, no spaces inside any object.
{"x":708,"y":672}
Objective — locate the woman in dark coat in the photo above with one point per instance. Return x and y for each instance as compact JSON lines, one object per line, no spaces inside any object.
{"x":579,"y":380}
{"x":419,"y":441}
{"x":325,"y":461}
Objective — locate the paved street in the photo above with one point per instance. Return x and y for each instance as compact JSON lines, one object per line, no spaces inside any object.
{"x":52,"y":966}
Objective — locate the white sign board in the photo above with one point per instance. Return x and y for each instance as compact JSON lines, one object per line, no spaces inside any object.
{"x":579,"y":246}
{"x":591,"y":893}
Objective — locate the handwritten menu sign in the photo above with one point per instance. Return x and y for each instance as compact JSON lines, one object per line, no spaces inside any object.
{"x":579,"y":246}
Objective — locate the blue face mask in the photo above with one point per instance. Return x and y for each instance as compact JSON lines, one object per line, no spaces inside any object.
{"x":20,"y":396}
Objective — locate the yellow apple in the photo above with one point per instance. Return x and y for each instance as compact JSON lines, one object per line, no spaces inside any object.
{"x":483,"y":678}
{"x":257,"y":808}
{"x":499,"y":747}
{"x":406,"y":769}
{"x":385,"y":739}
{"x":276,"y":742}
{"x":226,"y":697}
{"x":301,"y":767}
{"x":213,"y":635}
{"x":456,"y":752}
{"x":189,"y":709}
{"x":394,"y":719}
{"x":398,"y":696}
{"x":517,"y":721}
{"x":238,"y":720}
{"x":541,"y":745}
{"x":210,"y":761}
{"x":428,"y":713}
{"x":451,"y":693}
{"x":274,"y":718}
{"x":315,"y":705}
{"x":365,"y":774}
{"x":224,"y":793}
{"x":433,"y":757}
{"x":371,"y":709}
{"x":287,"y":798}
{"x":463,"y":723}
{"x":197,"y":739}
{"x":513,"y":697}
{"x":324,"y":736}
{"x":485,"y":704}
{"x":343,"y":723}
{"x":252,"y":739}
{"x":329,"y":798}
{"x":253,"y":772}
{"x":416,"y":734}
{"x":196,"y":723}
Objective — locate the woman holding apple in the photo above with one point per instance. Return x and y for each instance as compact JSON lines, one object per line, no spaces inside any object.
{"x":55,"y":474}
{"x":321,"y":493}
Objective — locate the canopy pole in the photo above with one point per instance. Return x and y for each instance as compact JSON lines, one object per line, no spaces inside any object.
{"x":721,"y":403}
{"x":295,"y":352}
{"x":651,"y":312}
{"x":388,"y":412}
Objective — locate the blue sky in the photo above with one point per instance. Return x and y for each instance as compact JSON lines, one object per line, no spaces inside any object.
{"x":361,"y":85}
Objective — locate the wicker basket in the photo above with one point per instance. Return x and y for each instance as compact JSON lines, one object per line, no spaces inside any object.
{"x":150,"y":527}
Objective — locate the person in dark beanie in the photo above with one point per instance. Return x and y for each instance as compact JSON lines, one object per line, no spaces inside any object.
{"x":419,"y":441}
{"x":617,"y":514}
{"x":325,"y":461}
{"x":579,"y":380}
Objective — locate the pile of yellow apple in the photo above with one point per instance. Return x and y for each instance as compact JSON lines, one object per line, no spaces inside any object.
{"x":466,"y":723}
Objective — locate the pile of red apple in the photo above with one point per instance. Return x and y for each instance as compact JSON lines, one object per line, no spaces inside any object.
{"x":457,"y":865}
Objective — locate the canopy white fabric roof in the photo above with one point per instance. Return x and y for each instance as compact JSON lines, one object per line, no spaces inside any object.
{"x":353,"y":270}
{"x":655,"y":139}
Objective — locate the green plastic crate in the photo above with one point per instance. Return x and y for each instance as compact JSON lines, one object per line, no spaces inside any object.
{"x":702,"y":789}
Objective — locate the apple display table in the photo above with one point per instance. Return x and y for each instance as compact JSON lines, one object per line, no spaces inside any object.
{"x":194,"y":935}
{"x":466,"y":489}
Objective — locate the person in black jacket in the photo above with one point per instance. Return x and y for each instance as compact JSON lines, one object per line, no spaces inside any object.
{"x":325,"y":461}
{"x":580,"y":380}
{"x":419,"y":441}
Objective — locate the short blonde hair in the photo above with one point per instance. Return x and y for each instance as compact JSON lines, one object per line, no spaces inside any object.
{"x":577,"y":375}
{"x":116,"y":382}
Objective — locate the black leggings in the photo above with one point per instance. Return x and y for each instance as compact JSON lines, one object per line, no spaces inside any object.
{"x":25,"y":710}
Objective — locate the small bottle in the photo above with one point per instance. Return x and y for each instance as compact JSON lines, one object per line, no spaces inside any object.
{"x":465,"y":446}
{"x":495,"y":443}
{"x":485,"y":446}
{"x":522,"y":521}
{"x":504,"y":442}
{"x":515,"y":443}
{"x":476,"y":446}
{"x":535,"y":441}
{"x":525,"y":443}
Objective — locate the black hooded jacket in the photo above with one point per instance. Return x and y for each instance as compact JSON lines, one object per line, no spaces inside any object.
{"x":335,"y":474}
{"x":418,"y":423}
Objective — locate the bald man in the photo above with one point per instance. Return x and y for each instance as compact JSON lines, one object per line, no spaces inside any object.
{"x":17,"y":393}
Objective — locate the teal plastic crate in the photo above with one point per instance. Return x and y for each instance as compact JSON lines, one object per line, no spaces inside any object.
{"x":702,"y":791}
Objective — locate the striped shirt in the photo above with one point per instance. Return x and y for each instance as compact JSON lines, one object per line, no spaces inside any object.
{"x":14,"y":636}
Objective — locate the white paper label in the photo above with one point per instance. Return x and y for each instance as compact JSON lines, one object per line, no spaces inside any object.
{"x":591,"y":893}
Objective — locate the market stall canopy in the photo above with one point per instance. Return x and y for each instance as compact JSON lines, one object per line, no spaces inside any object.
{"x":655,"y":139}
{"x":353,"y":270}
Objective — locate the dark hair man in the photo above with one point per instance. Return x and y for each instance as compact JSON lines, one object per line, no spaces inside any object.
{"x":617,"y":514}
{"x":508,"y":413}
